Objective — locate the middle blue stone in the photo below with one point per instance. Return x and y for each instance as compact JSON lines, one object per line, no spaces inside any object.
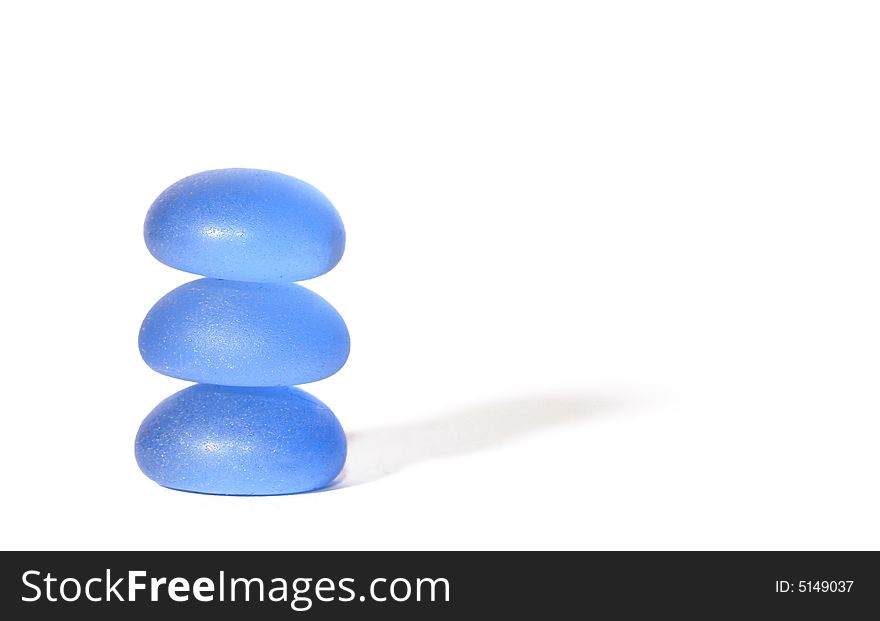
{"x":244,"y":334}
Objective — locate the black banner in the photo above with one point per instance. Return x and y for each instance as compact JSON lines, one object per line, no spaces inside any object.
{"x":437,"y":585}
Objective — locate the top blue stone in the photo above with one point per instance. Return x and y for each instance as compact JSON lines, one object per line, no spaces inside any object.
{"x":245,"y":224}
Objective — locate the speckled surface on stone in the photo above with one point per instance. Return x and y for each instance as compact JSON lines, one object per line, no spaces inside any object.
{"x":245,"y":224}
{"x":244,"y":334}
{"x":241,"y":441}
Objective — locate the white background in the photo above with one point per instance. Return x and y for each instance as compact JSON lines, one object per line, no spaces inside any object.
{"x":611,"y":277}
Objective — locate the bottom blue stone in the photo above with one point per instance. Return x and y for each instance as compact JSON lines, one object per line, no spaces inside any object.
{"x":241,"y":441}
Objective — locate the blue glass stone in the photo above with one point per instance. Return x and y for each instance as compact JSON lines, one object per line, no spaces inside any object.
{"x":245,"y":224}
{"x":244,"y":334}
{"x":241,"y":441}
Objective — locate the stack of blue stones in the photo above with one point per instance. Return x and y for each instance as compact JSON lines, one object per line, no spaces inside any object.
{"x":246,"y":333}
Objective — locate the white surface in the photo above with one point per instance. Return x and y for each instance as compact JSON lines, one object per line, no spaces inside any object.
{"x":612,"y":273}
